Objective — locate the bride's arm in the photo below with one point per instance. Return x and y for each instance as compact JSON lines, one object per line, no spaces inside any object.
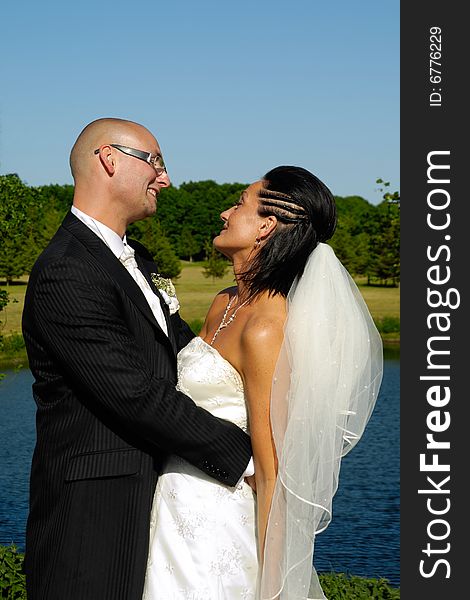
{"x":260,"y":344}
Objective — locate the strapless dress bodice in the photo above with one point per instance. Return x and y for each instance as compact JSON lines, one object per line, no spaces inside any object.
{"x":212,"y":382}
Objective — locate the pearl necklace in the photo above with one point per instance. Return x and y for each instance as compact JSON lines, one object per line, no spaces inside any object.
{"x":224,"y":323}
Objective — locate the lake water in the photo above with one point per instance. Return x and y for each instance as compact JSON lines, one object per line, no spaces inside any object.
{"x":363,"y":537}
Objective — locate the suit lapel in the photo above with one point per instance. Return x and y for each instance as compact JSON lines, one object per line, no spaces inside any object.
{"x":147,"y":268}
{"x":106,"y":258}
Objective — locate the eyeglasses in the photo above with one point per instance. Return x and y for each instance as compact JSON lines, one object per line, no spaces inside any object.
{"x":152,"y":159}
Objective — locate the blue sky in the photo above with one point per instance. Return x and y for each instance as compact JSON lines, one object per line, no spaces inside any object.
{"x":230,"y":89}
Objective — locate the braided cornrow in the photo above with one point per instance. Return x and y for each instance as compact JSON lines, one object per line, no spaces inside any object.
{"x":281,"y":206}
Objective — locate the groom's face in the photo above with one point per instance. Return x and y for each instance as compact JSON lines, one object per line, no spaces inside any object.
{"x":140,"y":181}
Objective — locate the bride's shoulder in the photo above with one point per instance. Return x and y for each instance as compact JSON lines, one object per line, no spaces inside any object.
{"x":265,"y":323}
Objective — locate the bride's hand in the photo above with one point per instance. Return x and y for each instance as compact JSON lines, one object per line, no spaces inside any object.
{"x":251,"y":481}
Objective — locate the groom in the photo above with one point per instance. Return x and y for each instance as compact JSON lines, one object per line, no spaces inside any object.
{"x":102,"y":347}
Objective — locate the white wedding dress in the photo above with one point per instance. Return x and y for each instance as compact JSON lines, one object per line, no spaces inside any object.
{"x":202,"y":533}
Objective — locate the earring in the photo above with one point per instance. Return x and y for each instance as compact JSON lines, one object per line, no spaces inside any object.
{"x":257,"y":243}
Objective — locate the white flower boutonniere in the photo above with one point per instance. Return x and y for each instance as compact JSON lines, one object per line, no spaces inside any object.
{"x":167,"y":290}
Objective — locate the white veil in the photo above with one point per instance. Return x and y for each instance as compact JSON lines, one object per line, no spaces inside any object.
{"x":324,"y":389}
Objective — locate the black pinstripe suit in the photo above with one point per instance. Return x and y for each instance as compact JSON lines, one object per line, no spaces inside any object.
{"x":107,"y":415}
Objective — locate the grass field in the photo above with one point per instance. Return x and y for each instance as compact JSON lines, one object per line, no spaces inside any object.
{"x":195,"y":293}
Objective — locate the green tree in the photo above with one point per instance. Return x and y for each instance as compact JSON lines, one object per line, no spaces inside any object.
{"x":17,"y":203}
{"x":385,"y":245}
{"x":174,"y":205}
{"x":13,"y":195}
{"x":188,"y":245}
{"x":60,"y":195}
{"x":29,"y":217}
{"x":351,"y":240}
{"x":215,"y":265}
{"x":150,"y":233}
{"x":55,"y":202}
{"x":390,"y":197}
{"x":195,"y":207}
{"x":385,"y":237}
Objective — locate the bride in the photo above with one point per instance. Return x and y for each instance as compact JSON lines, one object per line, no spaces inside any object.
{"x":291,"y":355}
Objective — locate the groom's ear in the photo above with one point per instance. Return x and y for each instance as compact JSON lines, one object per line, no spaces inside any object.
{"x":268,"y":226}
{"x":107,"y":159}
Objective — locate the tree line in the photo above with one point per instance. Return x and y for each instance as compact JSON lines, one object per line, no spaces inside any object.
{"x":188,"y":218}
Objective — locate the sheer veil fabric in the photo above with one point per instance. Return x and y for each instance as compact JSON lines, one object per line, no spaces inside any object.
{"x":325,"y":387}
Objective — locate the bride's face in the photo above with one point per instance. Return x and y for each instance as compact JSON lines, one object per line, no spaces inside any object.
{"x":242,"y":225}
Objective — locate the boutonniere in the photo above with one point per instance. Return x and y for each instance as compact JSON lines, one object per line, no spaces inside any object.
{"x":167,"y":290}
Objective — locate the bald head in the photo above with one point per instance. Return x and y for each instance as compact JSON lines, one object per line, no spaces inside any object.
{"x":97,"y":133}
{"x":113,"y":186}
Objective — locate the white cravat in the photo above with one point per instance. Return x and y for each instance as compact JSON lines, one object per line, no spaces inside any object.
{"x":128,"y":260}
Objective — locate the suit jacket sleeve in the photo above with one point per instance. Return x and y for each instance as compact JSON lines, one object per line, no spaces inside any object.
{"x":183,"y":332}
{"x":84,"y":324}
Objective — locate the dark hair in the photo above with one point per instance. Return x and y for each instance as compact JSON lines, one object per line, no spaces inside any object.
{"x":306,"y":213}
